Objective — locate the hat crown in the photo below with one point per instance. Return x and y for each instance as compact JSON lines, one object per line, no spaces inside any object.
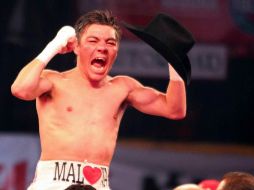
{"x":170,"y":39}
{"x":172,"y":33}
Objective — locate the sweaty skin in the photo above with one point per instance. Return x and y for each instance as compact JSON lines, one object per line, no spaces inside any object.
{"x":80,"y":110}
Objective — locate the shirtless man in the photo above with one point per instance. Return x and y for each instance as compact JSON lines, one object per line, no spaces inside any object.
{"x":80,"y":110}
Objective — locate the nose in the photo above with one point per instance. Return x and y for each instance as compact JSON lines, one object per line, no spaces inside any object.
{"x":101,"y":47}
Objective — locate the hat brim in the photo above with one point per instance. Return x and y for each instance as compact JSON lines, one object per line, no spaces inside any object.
{"x":181,"y":64}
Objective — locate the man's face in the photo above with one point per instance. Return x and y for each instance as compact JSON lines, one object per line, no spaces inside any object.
{"x":96,"y":51}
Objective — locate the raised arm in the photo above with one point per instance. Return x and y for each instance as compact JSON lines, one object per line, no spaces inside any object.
{"x":171,"y":104}
{"x":31,"y":81}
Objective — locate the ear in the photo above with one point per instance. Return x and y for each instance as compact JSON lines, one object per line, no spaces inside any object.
{"x":76,"y":49}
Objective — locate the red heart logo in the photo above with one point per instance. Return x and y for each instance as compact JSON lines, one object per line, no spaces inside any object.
{"x":92,"y":174}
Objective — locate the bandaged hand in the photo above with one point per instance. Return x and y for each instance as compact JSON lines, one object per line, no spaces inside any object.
{"x":62,"y":43}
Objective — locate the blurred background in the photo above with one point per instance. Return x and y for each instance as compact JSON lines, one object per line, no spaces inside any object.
{"x":217,"y":134}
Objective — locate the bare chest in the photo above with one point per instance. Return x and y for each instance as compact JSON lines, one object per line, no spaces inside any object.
{"x":73,"y":101}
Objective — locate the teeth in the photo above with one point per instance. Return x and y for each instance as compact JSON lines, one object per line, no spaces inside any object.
{"x":100,"y":59}
{"x":99,"y":63}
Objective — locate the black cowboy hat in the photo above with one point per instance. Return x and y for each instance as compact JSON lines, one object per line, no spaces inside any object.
{"x":170,"y":39}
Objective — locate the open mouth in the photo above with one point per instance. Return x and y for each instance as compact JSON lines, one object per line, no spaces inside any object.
{"x":99,"y":62}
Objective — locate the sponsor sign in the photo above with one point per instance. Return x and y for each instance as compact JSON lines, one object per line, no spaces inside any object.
{"x":140,"y":60}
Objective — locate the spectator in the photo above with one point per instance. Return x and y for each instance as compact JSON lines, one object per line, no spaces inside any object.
{"x":189,"y":186}
{"x":80,"y":187}
{"x":237,"y":181}
{"x":209,"y":184}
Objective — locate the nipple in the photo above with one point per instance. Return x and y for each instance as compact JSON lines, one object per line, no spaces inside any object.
{"x":69,"y":109}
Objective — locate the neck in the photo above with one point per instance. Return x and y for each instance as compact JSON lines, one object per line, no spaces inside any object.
{"x":88,"y":82}
{"x":97,"y":84}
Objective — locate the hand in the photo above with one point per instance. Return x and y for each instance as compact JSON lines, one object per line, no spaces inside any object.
{"x":65,"y":40}
{"x":174,"y":76}
{"x":69,"y":47}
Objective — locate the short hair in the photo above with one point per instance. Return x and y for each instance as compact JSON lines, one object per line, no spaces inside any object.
{"x":103,"y":17}
{"x":238,"y":181}
{"x":80,"y":187}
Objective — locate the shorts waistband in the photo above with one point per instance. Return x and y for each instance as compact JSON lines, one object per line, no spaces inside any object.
{"x":73,"y":172}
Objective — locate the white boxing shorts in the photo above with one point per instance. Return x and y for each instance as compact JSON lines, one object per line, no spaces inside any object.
{"x":59,"y":174}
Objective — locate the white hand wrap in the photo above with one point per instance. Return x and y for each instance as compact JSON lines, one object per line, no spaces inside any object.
{"x":55,"y":46}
